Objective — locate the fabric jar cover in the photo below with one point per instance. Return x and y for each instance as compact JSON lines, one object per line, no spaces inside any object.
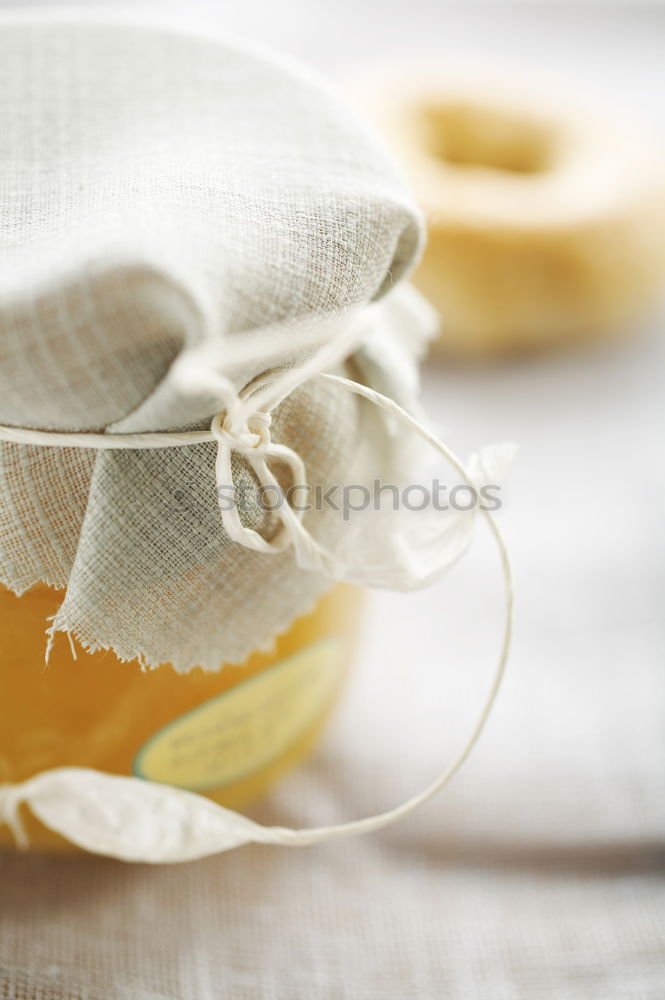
{"x":162,"y":192}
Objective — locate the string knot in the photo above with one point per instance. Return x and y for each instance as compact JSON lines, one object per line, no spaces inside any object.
{"x":245,"y":434}
{"x":237,"y":431}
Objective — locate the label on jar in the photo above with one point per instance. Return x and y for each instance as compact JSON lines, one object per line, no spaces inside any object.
{"x":244,"y":729}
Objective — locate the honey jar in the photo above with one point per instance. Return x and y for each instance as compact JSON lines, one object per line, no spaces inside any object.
{"x":227,"y":734}
{"x":203,"y":311}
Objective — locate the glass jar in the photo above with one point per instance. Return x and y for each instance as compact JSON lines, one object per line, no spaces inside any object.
{"x":226,"y":734}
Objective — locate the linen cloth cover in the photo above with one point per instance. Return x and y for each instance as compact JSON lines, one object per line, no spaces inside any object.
{"x":161,"y":191}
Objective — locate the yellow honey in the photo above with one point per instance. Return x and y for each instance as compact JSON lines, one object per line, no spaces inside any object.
{"x":226,"y":734}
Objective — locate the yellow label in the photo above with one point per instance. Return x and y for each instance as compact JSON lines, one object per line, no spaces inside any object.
{"x":241,"y":731}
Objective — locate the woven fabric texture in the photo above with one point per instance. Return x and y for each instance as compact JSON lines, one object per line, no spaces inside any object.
{"x":158,"y":192}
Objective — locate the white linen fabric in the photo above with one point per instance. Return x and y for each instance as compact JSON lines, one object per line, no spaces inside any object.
{"x":161,"y":192}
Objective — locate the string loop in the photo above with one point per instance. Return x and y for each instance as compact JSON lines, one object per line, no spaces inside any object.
{"x":61,"y":797}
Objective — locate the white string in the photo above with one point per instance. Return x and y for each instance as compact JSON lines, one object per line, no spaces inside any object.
{"x":380,"y":820}
{"x":245,"y":429}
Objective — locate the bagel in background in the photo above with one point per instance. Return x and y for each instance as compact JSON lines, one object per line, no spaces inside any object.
{"x":545,"y":224}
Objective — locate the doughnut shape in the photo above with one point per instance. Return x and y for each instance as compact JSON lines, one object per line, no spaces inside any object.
{"x":545,"y":224}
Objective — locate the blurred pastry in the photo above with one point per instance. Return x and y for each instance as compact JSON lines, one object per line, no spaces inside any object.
{"x":545,"y":224}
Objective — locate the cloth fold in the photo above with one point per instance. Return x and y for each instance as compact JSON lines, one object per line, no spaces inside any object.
{"x":161,"y":192}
